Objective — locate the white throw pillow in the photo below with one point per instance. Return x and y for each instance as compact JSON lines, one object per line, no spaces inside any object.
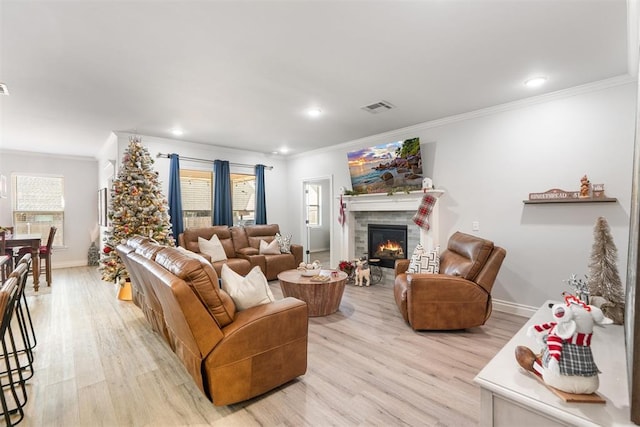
{"x":248,"y":291}
{"x":424,"y":261}
{"x":272,"y":248}
{"x":213,"y":248}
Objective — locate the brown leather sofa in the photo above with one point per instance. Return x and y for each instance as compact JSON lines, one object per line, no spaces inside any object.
{"x":459,"y":296}
{"x":242,"y":247}
{"x":232,"y":356}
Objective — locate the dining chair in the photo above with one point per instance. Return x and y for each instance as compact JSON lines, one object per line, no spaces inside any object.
{"x":44,"y":253}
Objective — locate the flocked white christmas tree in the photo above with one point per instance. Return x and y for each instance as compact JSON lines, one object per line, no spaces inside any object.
{"x":605,"y":286}
{"x":137,"y":207}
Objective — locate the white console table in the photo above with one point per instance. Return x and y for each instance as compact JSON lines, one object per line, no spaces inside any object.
{"x":512,"y":397}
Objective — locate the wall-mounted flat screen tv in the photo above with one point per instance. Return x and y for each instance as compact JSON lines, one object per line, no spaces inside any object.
{"x":386,"y":168}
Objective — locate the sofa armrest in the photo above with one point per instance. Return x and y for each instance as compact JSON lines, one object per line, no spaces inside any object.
{"x":439,"y":301}
{"x":297,"y":251}
{"x":264,"y":347}
{"x":259,"y":260}
{"x":280,"y":320}
{"x":401,"y":266}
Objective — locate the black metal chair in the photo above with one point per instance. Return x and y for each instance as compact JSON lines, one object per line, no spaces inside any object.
{"x":24,"y":345}
{"x":11,"y":381}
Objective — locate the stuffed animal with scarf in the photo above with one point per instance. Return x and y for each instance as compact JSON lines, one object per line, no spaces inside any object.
{"x":566,"y":361}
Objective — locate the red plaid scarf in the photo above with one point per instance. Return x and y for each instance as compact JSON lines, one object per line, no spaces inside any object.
{"x":554,"y":342}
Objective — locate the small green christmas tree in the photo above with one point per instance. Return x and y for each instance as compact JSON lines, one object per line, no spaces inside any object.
{"x":605,"y":286}
{"x":137,"y":207}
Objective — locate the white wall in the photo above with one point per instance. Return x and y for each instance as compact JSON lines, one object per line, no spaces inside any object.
{"x":490,"y":162}
{"x":80,"y":195}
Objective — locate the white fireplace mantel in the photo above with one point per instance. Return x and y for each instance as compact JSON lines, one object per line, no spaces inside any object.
{"x":383,"y":202}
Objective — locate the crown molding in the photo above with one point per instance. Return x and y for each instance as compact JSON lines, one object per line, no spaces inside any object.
{"x":496,"y":109}
{"x":48,"y":155}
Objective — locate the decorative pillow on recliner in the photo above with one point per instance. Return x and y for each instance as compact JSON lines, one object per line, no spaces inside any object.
{"x":269,"y":248}
{"x":248,"y":291}
{"x":213,"y":248}
{"x":424,"y":261}
{"x":284,"y":242}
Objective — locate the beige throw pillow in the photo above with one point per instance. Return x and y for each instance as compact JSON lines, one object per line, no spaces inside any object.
{"x":213,"y":248}
{"x":272,"y":248}
{"x":248,"y":291}
{"x":284,"y":242}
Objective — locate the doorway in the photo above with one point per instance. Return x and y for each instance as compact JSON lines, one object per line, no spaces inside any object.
{"x":317,"y":219}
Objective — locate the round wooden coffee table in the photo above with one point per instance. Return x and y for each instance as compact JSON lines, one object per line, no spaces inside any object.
{"x":322,"y":298}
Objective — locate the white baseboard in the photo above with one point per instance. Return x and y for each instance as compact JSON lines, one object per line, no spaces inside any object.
{"x":513,"y":308}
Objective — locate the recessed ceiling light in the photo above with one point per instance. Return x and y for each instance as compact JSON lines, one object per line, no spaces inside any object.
{"x":4,"y":90}
{"x":314,"y":112}
{"x":535,"y":81}
{"x":177,"y":132}
{"x":284,"y":150}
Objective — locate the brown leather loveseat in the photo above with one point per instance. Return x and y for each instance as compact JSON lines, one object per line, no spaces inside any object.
{"x":459,"y":296}
{"x":231,"y":355}
{"x":242,"y":248}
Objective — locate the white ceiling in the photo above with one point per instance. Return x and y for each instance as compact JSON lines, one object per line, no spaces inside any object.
{"x":242,"y":73}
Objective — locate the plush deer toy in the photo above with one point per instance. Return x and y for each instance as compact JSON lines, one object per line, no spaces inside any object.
{"x":362,"y":273}
{"x":566,"y":362}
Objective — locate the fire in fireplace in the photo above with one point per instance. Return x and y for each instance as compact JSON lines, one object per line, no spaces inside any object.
{"x":387,"y":243}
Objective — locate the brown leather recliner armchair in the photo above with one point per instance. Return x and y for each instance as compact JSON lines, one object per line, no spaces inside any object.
{"x":459,"y":296}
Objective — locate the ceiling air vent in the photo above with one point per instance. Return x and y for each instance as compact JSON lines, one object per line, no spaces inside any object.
{"x":378,"y":107}
{"x":3,"y":89}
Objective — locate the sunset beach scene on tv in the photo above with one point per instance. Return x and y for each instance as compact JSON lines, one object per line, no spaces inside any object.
{"x":386,"y":168}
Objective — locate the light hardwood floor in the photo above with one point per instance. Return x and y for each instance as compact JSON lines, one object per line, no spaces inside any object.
{"x":98,"y":363}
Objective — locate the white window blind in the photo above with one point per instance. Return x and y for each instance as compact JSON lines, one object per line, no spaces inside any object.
{"x":38,"y":202}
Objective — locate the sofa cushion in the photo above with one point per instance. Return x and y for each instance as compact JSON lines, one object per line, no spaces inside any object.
{"x":213,"y":248}
{"x":248,"y":291}
{"x":190,"y":238}
{"x":255,"y":233}
{"x":192,"y":254}
{"x":149,"y":249}
{"x":202,"y":279}
{"x":272,"y":248}
{"x":465,"y":255}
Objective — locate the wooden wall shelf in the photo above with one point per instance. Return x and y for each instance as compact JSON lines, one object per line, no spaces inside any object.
{"x":600,"y":200}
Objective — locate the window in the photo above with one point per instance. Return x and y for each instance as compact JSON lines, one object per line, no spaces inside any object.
{"x":313,"y":205}
{"x":38,"y":204}
{"x":196,"y":188}
{"x":243,"y":198}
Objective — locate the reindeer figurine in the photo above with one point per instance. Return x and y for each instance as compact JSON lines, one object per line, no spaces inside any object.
{"x":362,"y":273}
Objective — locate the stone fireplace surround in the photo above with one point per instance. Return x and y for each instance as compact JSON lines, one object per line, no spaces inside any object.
{"x":396,"y":209}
